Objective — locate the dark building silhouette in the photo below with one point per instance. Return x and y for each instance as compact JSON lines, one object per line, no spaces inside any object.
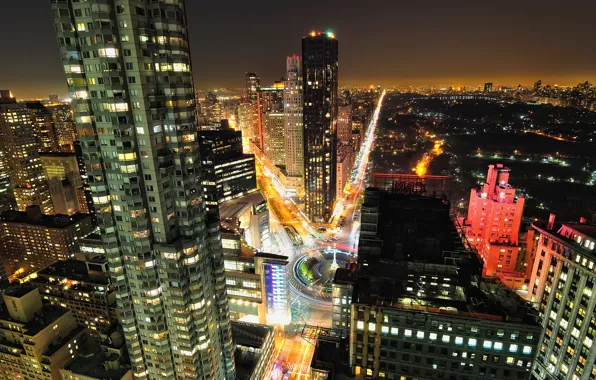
{"x":320,"y":86}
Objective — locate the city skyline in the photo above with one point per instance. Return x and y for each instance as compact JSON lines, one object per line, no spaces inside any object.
{"x":484,"y":44}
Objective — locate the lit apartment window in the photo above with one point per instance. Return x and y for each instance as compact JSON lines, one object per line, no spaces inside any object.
{"x":487,"y":344}
{"x":472,"y":342}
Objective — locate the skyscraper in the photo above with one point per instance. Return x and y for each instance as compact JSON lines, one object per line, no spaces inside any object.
{"x":136,"y":119}
{"x":253,"y":84}
{"x":43,"y":124}
{"x":18,"y":141}
{"x":293,"y":146}
{"x":320,"y":84}
{"x":274,"y":138}
{"x":561,"y":289}
{"x":494,"y":218}
{"x":269,"y":99}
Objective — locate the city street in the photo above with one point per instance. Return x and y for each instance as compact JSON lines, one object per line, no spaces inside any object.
{"x":310,"y":305}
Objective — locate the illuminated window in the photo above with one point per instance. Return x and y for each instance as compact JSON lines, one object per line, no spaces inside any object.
{"x":498,"y":346}
{"x":446,"y":338}
{"x":408,"y":333}
{"x":487,"y":344}
{"x":394,"y":331}
{"x":385,"y":329}
{"x":459,"y":340}
{"x":420,"y":335}
{"x":432,"y":336}
{"x":513,"y":348}
{"x":360,"y":325}
{"x":372,"y":327}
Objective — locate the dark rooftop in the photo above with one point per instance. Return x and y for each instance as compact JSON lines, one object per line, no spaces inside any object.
{"x":72,"y":270}
{"x":252,"y":336}
{"x":18,"y":291}
{"x":47,"y":315}
{"x":49,"y":221}
{"x":417,"y":260}
{"x":57,"y":154}
{"x":91,"y":363}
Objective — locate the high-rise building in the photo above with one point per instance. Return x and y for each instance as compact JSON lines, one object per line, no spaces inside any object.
{"x":30,"y":241}
{"x":212,"y":108}
{"x":248,"y":120}
{"x":344,"y":125}
{"x":57,"y":165}
{"x":419,"y":307}
{"x":64,"y":126}
{"x":65,"y":182}
{"x":228,"y":173}
{"x":18,"y":141}
{"x":561,"y":288}
{"x":38,"y":339}
{"x":274,"y":138}
{"x":7,"y":201}
{"x":293,"y":146}
{"x":253,"y":84}
{"x":44,"y":127}
{"x":136,"y":122}
{"x":345,"y":164}
{"x":269,"y":100}
{"x":87,"y":196}
{"x":320,"y":86}
{"x":493,"y":222}
{"x":488,"y":87}
{"x":53,"y":98}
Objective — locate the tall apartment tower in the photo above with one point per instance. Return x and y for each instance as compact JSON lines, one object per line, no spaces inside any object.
{"x":44,"y":126}
{"x":561,"y":289}
{"x":293,"y":146}
{"x":253,"y":84}
{"x":128,"y":69}
{"x":320,"y":84}
{"x":19,"y":143}
{"x":493,"y":222}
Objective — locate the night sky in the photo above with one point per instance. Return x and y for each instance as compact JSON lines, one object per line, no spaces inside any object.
{"x":435,"y":42}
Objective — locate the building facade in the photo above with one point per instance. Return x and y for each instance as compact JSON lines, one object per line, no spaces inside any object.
{"x":31,"y":241}
{"x":269,"y":100}
{"x":561,"y":286}
{"x":257,"y":283}
{"x":249,"y":216}
{"x":43,"y":124}
{"x":494,"y":217}
{"x":36,"y":339}
{"x":274,"y":138}
{"x":419,"y":306}
{"x":136,"y":121}
{"x":345,"y":165}
{"x":344,"y":124}
{"x":293,"y":105}
{"x":228,"y":173}
{"x":253,"y":84}
{"x":83,"y":287}
{"x":248,"y":122}
{"x":320,"y":86}
{"x":18,"y":141}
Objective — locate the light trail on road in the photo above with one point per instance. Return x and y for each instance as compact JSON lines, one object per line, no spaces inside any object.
{"x":359,"y":173}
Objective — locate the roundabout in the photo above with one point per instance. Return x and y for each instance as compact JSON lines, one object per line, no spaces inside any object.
{"x":314,"y":271}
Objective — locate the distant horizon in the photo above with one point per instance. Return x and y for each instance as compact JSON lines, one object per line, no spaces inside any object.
{"x":561,"y":81}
